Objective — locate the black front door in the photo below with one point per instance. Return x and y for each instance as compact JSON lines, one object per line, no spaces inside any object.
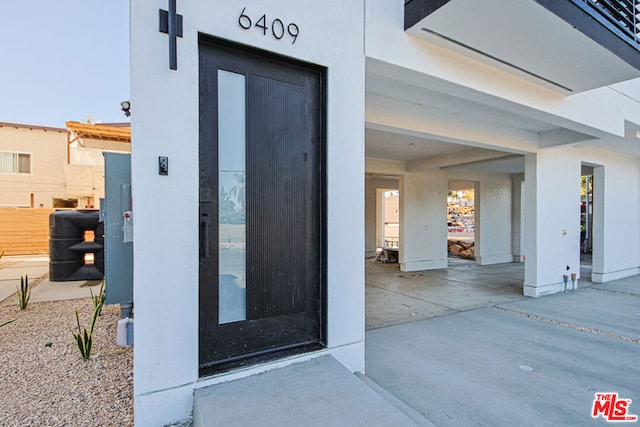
{"x":261,"y":206}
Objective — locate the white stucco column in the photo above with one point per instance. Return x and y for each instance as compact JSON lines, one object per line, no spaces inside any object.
{"x":616,"y":194}
{"x":423,"y":220}
{"x":552,"y":220}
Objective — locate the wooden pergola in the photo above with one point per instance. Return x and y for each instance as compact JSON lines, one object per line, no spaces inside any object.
{"x":99,"y":132}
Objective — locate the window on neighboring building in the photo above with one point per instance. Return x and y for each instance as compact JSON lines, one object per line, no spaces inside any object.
{"x":15,"y":162}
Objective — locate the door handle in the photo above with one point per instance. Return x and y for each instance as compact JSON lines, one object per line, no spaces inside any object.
{"x":205,"y":223}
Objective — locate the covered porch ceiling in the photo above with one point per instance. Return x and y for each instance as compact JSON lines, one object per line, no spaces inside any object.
{"x":422,"y":153}
{"x":462,"y":131}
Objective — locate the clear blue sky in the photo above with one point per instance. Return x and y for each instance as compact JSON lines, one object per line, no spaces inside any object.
{"x":62,"y":60}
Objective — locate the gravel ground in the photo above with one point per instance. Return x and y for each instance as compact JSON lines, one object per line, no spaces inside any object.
{"x":43,"y":379}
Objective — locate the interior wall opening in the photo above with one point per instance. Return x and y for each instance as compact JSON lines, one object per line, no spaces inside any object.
{"x":390,"y":219}
{"x":586,"y":215}
{"x":461,"y":221}
{"x":382,"y":215}
{"x":591,"y":245}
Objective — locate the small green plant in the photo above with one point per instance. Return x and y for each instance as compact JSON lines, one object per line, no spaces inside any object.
{"x":7,"y":322}
{"x":24,"y":293}
{"x":98,"y":299}
{"x":84,"y":337}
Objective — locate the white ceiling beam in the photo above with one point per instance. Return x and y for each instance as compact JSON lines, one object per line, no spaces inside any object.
{"x":472,"y":155}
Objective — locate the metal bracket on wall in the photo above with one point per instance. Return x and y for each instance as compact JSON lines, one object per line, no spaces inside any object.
{"x":171,"y":24}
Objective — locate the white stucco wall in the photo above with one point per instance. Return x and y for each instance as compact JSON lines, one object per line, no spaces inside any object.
{"x":165,"y":122}
{"x":423,"y":204}
{"x":616,"y":245}
{"x":423,"y":220}
{"x":492,"y":213}
{"x":552,"y":216}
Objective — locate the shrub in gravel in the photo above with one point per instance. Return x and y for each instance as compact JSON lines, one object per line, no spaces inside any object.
{"x":24,"y":293}
{"x":98,"y":300}
{"x":84,"y":337}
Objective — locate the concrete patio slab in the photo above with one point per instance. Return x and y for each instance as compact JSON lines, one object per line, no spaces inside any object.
{"x":488,"y":367}
{"x":609,"y":312}
{"x":394,"y":297}
{"x":319,"y":392}
{"x":512,"y":274}
{"x":630,"y":285}
{"x":386,"y":308}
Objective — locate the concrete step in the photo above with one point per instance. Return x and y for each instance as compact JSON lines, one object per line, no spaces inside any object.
{"x":411,"y":413}
{"x":317,"y":392}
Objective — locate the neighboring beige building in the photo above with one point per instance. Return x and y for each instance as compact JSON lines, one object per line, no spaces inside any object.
{"x":55,"y":167}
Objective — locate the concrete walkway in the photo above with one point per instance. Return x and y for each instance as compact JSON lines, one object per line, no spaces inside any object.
{"x":512,"y":361}
{"x":532,"y":362}
{"x":320,"y":392}
{"x":36,"y":267}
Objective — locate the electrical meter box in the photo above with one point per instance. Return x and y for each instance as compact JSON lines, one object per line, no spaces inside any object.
{"x":116,"y":210}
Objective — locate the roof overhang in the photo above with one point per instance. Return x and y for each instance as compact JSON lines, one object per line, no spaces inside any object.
{"x":555,"y":43}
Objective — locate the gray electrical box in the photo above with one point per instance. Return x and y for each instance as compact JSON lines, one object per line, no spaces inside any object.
{"x":118,"y":229}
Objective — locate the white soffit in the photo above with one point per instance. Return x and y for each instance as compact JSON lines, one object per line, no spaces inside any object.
{"x":524,"y":38}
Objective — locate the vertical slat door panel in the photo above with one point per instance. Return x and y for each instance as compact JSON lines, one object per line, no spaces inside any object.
{"x":277,"y":201}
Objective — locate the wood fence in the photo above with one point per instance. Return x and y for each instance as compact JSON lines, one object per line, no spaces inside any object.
{"x":24,"y":231}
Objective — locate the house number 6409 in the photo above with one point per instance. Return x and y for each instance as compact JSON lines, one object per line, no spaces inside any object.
{"x":278,"y":28}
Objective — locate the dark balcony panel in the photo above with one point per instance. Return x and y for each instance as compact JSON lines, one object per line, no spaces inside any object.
{"x":415,"y":10}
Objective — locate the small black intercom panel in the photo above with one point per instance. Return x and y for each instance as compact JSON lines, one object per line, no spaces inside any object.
{"x":163,"y":165}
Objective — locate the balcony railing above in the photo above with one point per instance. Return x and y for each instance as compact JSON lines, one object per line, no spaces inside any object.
{"x":620,"y":16}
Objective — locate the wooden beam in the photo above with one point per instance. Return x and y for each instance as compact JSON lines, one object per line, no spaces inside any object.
{"x":100,"y":132}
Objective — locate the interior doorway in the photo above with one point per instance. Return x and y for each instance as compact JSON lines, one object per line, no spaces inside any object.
{"x":591,"y":225}
{"x":461,"y":221}
{"x":387,"y":225}
{"x":390,"y":219}
{"x":586,"y":215}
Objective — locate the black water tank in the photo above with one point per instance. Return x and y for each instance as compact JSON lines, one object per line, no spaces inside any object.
{"x":67,"y":246}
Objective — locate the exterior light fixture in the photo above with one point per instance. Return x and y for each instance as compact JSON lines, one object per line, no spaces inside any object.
{"x":125,"y":106}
